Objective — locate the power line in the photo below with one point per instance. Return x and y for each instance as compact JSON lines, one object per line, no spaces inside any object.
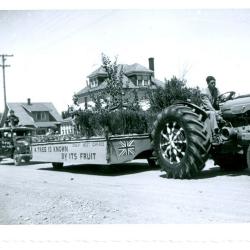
{"x":3,"y":65}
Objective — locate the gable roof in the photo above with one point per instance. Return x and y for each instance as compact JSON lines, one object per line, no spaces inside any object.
{"x":23,"y":112}
{"x":37,"y":107}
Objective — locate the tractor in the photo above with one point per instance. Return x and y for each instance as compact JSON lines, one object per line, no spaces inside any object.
{"x":182,"y":139}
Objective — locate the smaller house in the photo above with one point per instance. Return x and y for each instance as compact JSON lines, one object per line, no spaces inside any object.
{"x":39,"y":115}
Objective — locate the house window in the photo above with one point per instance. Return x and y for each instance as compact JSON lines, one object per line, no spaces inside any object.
{"x":41,"y":116}
{"x":93,"y":82}
{"x":38,"y":116}
{"x":139,"y":80}
{"x":142,"y":80}
{"x":145,"y":80}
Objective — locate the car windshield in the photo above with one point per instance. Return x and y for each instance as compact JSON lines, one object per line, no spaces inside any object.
{"x":21,"y":133}
{"x":15,"y":132}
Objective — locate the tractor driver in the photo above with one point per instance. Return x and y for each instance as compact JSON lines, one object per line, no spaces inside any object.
{"x":209,"y":97}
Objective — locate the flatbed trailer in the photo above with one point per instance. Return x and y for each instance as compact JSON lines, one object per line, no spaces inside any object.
{"x":95,"y":150}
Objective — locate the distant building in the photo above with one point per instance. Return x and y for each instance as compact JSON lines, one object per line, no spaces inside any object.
{"x":39,"y":115}
{"x":134,"y":77}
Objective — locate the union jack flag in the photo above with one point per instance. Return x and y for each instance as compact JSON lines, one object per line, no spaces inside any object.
{"x":126,"y":148}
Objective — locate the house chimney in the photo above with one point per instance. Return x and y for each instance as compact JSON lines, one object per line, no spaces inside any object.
{"x":28,"y":101}
{"x":151,"y":64}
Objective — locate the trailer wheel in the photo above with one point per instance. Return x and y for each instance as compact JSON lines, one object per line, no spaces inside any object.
{"x":57,"y":165}
{"x":180,"y":141}
{"x":152,"y":163}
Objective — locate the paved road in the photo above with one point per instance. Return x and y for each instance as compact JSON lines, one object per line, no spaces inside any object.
{"x":133,"y":193}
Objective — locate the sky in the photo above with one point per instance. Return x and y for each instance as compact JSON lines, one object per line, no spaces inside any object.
{"x":55,"y":50}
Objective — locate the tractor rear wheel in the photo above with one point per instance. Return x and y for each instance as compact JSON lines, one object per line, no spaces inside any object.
{"x":180,"y":141}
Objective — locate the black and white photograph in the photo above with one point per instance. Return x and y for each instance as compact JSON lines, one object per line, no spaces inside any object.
{"x":125,"y":117}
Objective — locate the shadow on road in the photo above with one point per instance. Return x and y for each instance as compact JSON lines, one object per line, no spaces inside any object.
{"x":11,"y":163}
{"x":114,"y":170}
{"x":215,"y":172}
{"x":133,"y":168}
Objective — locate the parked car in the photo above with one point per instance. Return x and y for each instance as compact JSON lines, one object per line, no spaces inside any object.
{"x":15,"y":144}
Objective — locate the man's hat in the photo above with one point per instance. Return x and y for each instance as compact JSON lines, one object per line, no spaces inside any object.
{"x":11,"y":111}
{"x":210,"y":78}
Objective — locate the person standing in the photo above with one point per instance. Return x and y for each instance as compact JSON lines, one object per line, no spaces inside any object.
{"x":12,"y":120}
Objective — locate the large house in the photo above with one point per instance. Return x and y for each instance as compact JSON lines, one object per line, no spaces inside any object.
{"x":41,"y":116}
{"x":134,"y":77}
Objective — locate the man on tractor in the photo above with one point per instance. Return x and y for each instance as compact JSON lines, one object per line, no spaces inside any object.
{"x":209,"y":97}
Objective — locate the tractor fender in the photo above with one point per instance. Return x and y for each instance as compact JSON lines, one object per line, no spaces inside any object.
{"x":196,"y":108}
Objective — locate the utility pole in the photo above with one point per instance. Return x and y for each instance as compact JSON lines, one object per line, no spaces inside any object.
{"x":3,"y":65}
